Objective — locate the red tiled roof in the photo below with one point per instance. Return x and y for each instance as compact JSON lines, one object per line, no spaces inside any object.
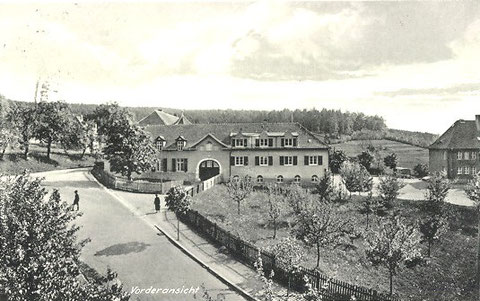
{"x":461,"y":135}
{"x":194,"y":132}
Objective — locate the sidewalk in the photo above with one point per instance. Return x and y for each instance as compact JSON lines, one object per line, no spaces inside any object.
{"x":223,"y":265}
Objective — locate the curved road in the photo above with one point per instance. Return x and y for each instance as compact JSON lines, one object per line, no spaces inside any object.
{"x":119,"y":239}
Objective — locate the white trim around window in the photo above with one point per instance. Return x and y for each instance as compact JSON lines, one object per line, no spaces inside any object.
{"x":312,"y":160}
{"x":288,"y":160}
{"x":239,"y":161}
{"x":263,"y":161}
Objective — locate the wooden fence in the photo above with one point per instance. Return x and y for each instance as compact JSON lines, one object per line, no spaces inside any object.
{"x":331,"y":289}
{"x":204,"y":185}
{"x":133,"y":186}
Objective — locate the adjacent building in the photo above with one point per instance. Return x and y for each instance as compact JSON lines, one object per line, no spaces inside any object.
{"x":276,"y":152}
{"x":160,"y":117}
{"x":457,"y":151}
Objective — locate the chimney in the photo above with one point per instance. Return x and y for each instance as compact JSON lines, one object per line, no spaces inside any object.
{"x":477,"y":122}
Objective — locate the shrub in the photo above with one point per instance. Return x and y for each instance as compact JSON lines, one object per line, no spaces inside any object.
{"x":420,"y":170}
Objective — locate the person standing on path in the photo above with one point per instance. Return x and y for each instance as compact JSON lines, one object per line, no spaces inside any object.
{"x":156,"y":202}
{"x":76,"y":201}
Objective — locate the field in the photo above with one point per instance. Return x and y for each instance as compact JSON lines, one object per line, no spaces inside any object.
{"x":408,"y":155}
{"x":13,"y":162}
{"x":448,"y":274}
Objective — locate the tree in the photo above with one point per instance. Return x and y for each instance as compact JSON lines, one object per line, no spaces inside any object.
{"x":365,"y":159}
{"x":336,"y":158}
{"x":420,"y":170}
{"x":370,"y":205}
{"x":239,"y":189}
{"x":52,"y":123}
{"x":432,"y":228}
{"x":473,"y":192}
{"x":178,"y":201}
{"x":394,"y":245}
{"x":391,"y":161}
{"x":129,"y":149}
{"x":8,"y":133}
{"x":296,"y":196}
{"x":40,"y":249}
{"x":82,"y":135}
{"x":325,"y":188}
{"x":321,"y":226}
{"x":356,"y":177}
{"x":23,"y":118}
{"x":389,"y":189}
{"x":276,"y":205}
{"x":288,"y":256}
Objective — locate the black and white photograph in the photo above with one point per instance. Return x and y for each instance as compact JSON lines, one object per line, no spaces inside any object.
{"x":237,"y":150}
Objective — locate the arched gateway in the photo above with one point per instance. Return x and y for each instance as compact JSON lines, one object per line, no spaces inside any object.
{"x":208,"y":168}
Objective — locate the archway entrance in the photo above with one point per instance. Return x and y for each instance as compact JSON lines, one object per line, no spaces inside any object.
{"x":208,"y":169}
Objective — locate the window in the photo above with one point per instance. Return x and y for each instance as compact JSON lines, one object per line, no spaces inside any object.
{"x":280,"y":179}
{"x":466,"y":156}
{"x":259,"y":179}
{"x":160,"y":144}
{"x":459,"y":170}
{"x":288,"y":142}
{"x":263,"y":161}
{"x":182,"y":164}
{"x":180,"y":144}
{"x":315,"y":179}
{"x":209,"y":146}
{"x":466,"y":170}
{"x":459,"y":156}
{"x":235,"y":179}
{"x":288,"y":160}
{"x":474,"y":170}
{"x":237,"y":142}
{"x":474,"y":156}
{"x":444,"y":155}
{"x":239,"y":161}
{"x":263,"y":142}
{"x":297,"y":179}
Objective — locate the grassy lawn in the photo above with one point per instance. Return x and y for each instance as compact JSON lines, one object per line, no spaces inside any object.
{"x":14,"y":163}
{"x":448,"y":275}
{"x":408,"y":155}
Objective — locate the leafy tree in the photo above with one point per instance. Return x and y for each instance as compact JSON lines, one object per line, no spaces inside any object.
{"x":370,"y":205}
{"x":321,"y":226}
{"x":432,"y":228}
{"x":365,"y":159}
{"x":239,"y":189}
{"x":421,"y":170}
{"x":82,"y":135}
{"x":288,"y":256}
{"x":52,"y":122}
{"x":391,"y":161}
{"x":336,"y":159}
{"x":389,"y":189}
{"x":473,"y":193}
{"x":178,"y":201}
{"x":108,"y":117}
{"x":23,"y":118}
{"x":325,"y":188}
{"x":40,"y":250}
{"x":129,"y":149}
{"x":276,"y":205}
{"x":8,"y":134}
{"x":356,"y":177}
{"x":296,"y":196}
{"x":437,"y":191}
{"x":394,"y":245}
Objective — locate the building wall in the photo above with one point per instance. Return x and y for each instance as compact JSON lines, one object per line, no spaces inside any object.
{"x":288,"y":172}
{"x":451,"y":165}
{"x":436,"y":161}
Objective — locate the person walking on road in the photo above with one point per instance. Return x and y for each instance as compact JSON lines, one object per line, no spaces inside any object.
{"x":156,"y":202}
{"x":76,"y":201}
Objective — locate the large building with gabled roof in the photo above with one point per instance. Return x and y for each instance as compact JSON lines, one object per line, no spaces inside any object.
{"x":456,"y":152}
{"x":278,"y":152}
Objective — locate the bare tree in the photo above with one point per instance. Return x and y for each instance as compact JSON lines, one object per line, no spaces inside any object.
{"x":239,"y":189}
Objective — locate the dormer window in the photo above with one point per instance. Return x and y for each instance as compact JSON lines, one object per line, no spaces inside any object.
{"x":181,"y":142}
{"x":239,"y":142}
{"x":160,"y":143}
{"x":288,"y":142}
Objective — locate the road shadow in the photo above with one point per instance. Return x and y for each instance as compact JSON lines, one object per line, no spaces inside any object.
{"x":123,"y":249}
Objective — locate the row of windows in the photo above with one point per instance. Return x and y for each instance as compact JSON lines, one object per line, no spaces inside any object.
{"x":282,"y":160}
{"x":466,"y":170}
{"x":280,"y":179}
{"x":264,"y":142}
{"x":178,"y":164}
{"x":463,"y":155}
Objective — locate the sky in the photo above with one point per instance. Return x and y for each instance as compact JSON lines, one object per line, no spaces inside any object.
{"x":417,"y":64}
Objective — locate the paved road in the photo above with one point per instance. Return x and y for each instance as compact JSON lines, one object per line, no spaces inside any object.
{"x":129,"y":245}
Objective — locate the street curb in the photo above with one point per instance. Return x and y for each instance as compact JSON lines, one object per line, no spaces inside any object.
{"x":235,"y":287}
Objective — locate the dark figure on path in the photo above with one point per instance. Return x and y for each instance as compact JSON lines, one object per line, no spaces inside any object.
{"x":157,"y":203}
{"x":76,"y":201}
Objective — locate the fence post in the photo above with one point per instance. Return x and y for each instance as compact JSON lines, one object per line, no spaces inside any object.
{"x":215,"y":231}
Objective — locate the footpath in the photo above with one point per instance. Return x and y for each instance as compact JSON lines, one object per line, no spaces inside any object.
{"x":225,"y":267}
